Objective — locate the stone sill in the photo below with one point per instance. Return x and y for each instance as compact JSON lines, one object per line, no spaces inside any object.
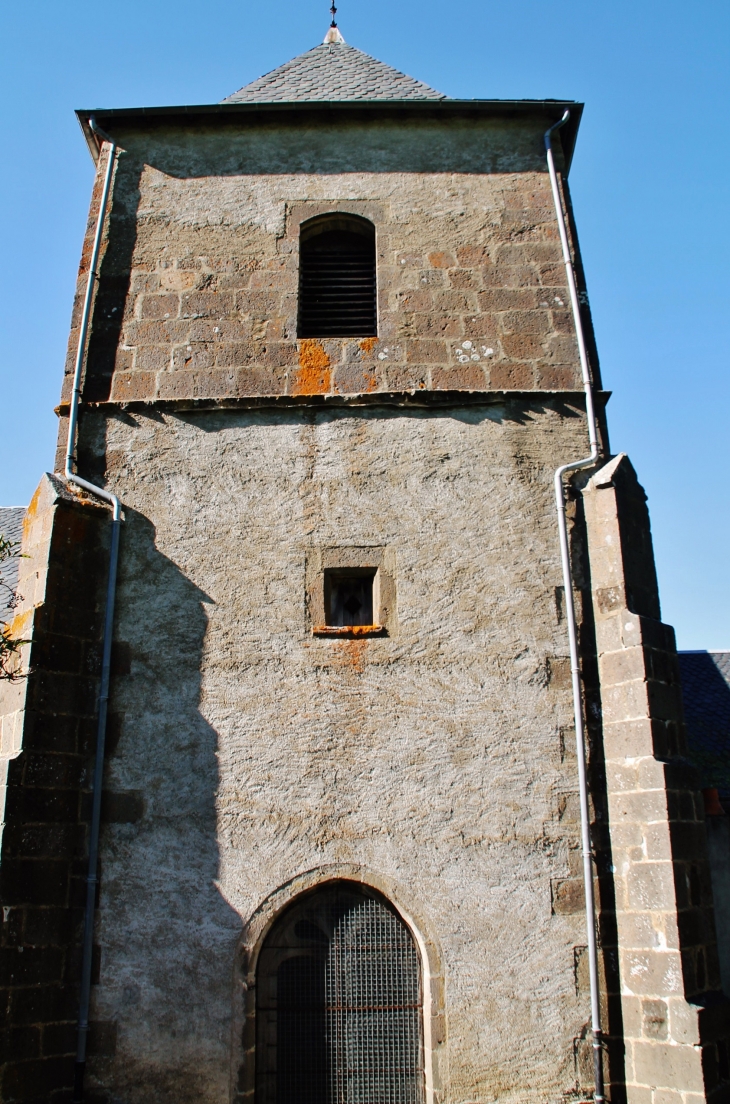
{"x":349,"y":632}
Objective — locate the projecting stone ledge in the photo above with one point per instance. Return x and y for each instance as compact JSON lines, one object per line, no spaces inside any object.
{"x":417,"y":398}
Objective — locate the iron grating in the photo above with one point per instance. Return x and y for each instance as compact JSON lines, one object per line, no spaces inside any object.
{"x":339,"y":1017}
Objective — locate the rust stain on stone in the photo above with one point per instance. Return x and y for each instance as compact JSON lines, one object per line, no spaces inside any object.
{"x":368,"y":344}
{"x":441,"y":260}
{"x":352,"y":653}
{"x":313,"y":376}
{"x":348,"y":630}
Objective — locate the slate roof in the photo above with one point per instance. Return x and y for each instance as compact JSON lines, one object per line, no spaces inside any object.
{"x":333,"y":71}
{"x":706,"y":696}
{"x":11,"y":527}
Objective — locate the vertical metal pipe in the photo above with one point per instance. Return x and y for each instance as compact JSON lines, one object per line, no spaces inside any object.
{"x":72,"y":477}
{"x":73,"y":413}
{"x":578,"y":465}
{"x":92,"y":877}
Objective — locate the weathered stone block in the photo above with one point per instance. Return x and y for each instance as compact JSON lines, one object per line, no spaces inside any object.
{"x":511,"y":377}
{"x":159,"y":306}
{"x":133,"y":386}
{"x":667,"y":1066}
{"x":568,"y":895}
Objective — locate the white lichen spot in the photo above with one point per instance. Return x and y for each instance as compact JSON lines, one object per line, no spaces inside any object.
{"x":466,"y":344}
{"x":487,"y":351}
{"x":216,"y":329}
{"x":543,"y":304}
{"x":475,"y":356}
{"x":559,"y":301}
{"x":463,"y":359}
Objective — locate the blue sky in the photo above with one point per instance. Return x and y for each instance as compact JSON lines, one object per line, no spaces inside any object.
{"x":649,"y":184}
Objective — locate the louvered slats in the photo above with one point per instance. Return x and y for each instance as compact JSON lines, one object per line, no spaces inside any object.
{"x":337,"y":286}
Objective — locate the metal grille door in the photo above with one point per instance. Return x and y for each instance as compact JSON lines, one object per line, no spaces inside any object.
{"x":339,"y":1004}
{"x":372,"y":996}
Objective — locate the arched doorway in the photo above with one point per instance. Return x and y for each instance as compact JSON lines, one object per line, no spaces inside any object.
{"x":339,"y":1003}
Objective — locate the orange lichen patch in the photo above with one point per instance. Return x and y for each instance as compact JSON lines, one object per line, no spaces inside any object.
{"x":20,"y":626}
{"x":31,"y":511}
{"x":368,"y":344}
{"x":313,"y":376}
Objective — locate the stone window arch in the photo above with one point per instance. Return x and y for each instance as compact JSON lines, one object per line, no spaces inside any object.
{"x":337,"y":277}
{"x":339,"y":1003}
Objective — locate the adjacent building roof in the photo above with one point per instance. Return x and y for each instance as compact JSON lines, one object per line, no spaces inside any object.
{"x":333,"y":71}
{"x":11,"y":527}
{"x":706,"y":695}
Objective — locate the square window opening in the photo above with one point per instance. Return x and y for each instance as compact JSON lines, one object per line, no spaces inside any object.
{"x":351,"y":597}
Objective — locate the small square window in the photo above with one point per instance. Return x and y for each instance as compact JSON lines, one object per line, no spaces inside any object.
{"x":349,"y":597}
{"x":350,"y":591}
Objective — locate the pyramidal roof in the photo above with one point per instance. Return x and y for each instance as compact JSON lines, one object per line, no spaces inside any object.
{"x":333,"y":71}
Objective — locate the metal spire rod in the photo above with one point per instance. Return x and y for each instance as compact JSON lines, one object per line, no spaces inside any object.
{"x":333,"y":9}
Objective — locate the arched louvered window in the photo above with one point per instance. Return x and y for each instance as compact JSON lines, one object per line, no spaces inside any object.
{"x":337,"y":294}
{"x":338,"y":1004}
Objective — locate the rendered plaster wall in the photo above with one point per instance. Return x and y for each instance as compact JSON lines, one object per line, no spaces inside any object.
{"x":433,"y":763}
{"x":198,"y":292}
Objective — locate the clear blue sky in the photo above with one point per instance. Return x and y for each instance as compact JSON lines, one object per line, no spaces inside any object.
{"x":649,"y":182}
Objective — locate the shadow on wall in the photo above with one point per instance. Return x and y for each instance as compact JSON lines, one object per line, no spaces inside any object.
{"x":168,"y":939}
{"x":298,"y":144}
{"x":104,"y":353}
{"x":706,"y":697}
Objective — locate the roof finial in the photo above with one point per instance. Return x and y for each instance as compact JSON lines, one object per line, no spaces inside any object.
{"x":333,"y":35}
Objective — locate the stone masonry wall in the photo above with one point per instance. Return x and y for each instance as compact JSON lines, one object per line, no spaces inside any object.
{"x":676,"y":1023}
{"x":49,"y":730}
{"x":198,"y":296}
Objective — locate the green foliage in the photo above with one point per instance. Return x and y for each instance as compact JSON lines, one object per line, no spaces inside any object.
{"x":10,"y":647}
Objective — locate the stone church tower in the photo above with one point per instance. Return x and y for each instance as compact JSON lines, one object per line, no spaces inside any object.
{"x":327,"y":368}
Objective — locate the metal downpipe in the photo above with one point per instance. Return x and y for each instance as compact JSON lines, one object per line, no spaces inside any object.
{"x":99,"y":492}
{"x":578,"y":465}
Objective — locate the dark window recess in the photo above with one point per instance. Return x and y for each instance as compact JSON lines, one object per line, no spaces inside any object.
{"x":338,"y":1004}
{"x":337,"y":278}
{"x":348,"y":598}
